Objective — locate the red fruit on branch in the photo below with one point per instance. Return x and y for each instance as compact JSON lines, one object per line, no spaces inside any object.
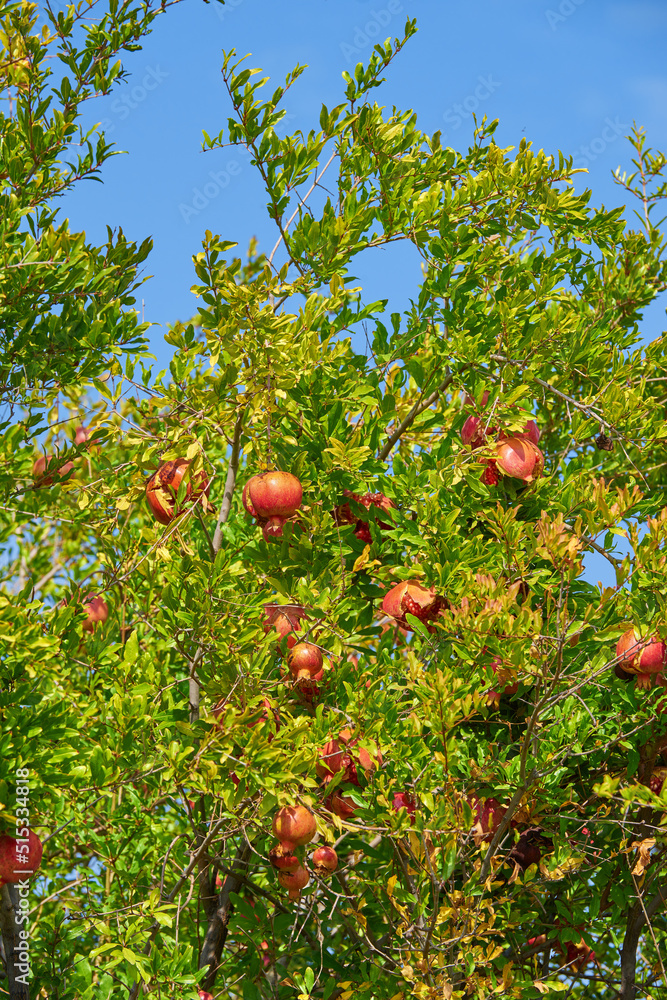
{"x":341,"y":806}
{"x":488,"y":814}
{"x":294,"y":881}
{"x":409,"y":597}
{"x":579,"y":954}
{"x":305,"y":661}
{"x":532,"y":432}
{"x":657,"y":779}
{"x":325,"y":861}
{"x":473,"y":432}
{"x":285,"y":619}
{"x":344,"y":515}
{"x":643,"y":657}
{"x":490,"y":475}
{"x":162,"y":489}
{"x":294,"y":826}
{"x":18,"y":859}
{"x":282,"y":859}
{"x":272,"y":494}
{"x":407,"y":801}
{"x":343,"y":754}
{"x":96,"y":609}
{"x":203,"y":995}
{"x":519,"y":458}
{"x":333,"y":759}
{"x":40,"y":466}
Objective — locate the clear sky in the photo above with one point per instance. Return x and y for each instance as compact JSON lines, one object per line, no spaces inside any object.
{"x":566,"y":74}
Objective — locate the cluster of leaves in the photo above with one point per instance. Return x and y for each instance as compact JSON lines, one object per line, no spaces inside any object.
{"x":158,"y":811}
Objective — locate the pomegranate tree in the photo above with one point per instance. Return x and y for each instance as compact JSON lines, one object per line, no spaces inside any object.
{"x":17,"y":863}
{"x":409,"y":597}
{"x":162,"y":490}
{"x":294,"y":826}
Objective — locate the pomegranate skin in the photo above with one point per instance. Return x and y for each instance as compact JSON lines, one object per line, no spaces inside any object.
{"x":343,"y":514}
{"x":532,"y":431}
{"x":519,"y":458}
{"x":325,"y":861}
{"x":294,"y":881}
{"x":305,"y":660}
{"x":473,"y":433}
{"x":641,"y":656}
{"x":409,"y":597}
{"x":275,"y":494}
{"x":14,"y":865}
{"x":96,"y":609}
{"x":294,"y":826}
{"x":405,"y":800}
{"x":272,"y":529}
{"x":339,"y":805}
{"x":245,"y":498}
{"x":285,"y":619}
{"x":283,"y":860}
{"x":332,"y":756}
{"x":40,"y":466}
{"x":162,"y":489}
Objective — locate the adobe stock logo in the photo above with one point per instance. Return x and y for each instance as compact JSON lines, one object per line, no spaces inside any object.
{"x":458,"y":113}
{"x":566,"y":8}
{"x":596,"y":147}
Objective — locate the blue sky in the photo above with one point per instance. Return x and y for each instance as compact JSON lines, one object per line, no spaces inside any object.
{"x":566,"y":74}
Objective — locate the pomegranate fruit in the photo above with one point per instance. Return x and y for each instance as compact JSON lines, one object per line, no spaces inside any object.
{"x":305,"y":660}
{"x":325,"y":861}
{"x":519,"y":458}
{"x":17,"y":863}
{"x":473,"y":432}
{"x":641,"y":656}
{"x":204,"y":995}
{"x":273,"y":494}
{"x":282,"y":859}
{"x":285,"y":619}
{"x":162,"y":489}
{"x":409,"y":597}
{"x":40,"y":466}
{"x":294,"y":826}
{"x":579,"y":954}
{"x":272,"y":528}
{"x":532,"y":432}
{"x":657,"y":779}
{"x":343,"y":754}
{"x":96,"y":609}
{"x":294,"y":881}
{"x":341,"y":806}
{"x":488,"y":814}
{"x":405,"y":800}
{"x":344,"y":515}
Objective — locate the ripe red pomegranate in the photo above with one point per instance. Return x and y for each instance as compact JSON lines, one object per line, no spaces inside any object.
{"x":96,"y":609}
{"x":404,"y":800}
{"x":409,"y":597}
{"x":162,"y":489}
{"x":488,"y":814}
{"x":641,"y":656}
{"x":15,"y":862}
{"x":294,"y":826}
{"x":39,"y":468}
{"x":341,"y":806}
{"x":344,"y":515}
{"x":519,"y":458}
{"x":343,"y":754}
{"x":305,"y":661}
{"x":532,"y":432}
{"x":282,"y":859}
{"x":294,"y":881}
{"x":473,"y":432}
{"x":272,"y":494}
{"x":325,"y":861}
{"x":579,"y":954}
{"x":204,"y":995}
{"x":272,"y":528}
{"x":285,"y":619}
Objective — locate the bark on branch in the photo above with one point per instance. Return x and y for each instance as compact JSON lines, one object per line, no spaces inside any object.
{"x":412,"y":415}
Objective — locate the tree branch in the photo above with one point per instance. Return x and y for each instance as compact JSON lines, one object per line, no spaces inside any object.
{"x":414,"y":412}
